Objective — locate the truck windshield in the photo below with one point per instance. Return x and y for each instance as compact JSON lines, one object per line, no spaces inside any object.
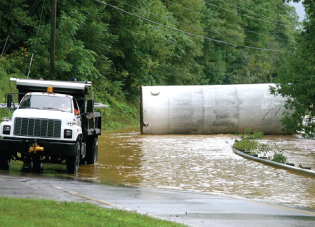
{"x":46,"y":102}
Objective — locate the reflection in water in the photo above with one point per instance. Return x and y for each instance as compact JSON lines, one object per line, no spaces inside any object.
{"x":119,"y":157}
{"x":203,"y":163}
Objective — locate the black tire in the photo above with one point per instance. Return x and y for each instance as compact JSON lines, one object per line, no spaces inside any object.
{"x":92,"y":150}
{"x":74,"y":161}
{"x":27,"y":165}
{"x":5,"y":162}
{"x":37,"y":164}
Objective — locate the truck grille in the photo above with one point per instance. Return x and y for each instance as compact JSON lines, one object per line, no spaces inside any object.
{"x":37,"y":127}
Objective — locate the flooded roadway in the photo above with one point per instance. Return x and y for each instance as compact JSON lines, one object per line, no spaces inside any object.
{"x":202,"y":163}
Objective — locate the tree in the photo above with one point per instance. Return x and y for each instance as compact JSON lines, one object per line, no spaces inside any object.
{"x":82,"y":41}
{"x":16,"y":18}
{"x":257,"y":24}
{"x":297,"y":79}
{"x":125,"y":44}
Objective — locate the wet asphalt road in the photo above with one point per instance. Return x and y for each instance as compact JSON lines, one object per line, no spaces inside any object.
{"x":191,"y":208}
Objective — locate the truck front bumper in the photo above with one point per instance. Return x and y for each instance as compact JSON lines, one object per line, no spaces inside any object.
{"x":51,"y":148}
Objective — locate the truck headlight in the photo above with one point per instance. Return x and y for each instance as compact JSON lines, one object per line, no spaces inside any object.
{"x":6,"y":129}
{"x":67,"y":133}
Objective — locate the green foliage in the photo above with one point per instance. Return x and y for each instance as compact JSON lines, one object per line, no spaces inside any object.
{"x":15,"y":63}
{"x":224,"y":64}
{"x":4,"y":84}
{"x":120,"y":114}
{"x":263,"y":149}
{"x":4,"y":89}
{"x":251,"y":134}
{"x":80,"y":44}
{"x":16,"y":24}
{"x":34,"y":212}
{"x":280,"y":158}
{"x":5,"y":113}
{"x":296,"y":78}
{"x":249,"y":142}
{"x":186,"y":42}
{"x":247,"y":145}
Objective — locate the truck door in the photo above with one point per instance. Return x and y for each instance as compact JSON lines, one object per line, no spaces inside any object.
{"x":77,"y":112}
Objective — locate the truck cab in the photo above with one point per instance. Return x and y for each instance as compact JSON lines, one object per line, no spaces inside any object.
{"x":53,"y":123}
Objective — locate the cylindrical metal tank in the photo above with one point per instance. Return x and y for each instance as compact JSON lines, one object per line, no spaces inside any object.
{"x":210,"y":109}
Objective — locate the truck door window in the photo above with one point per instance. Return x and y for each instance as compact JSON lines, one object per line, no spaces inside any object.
{"x":26,"y":102}
{"x":76,"y":107}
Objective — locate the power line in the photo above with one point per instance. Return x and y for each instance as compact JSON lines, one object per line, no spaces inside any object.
{"x":33,"y":7}
{"x":281,"y":22}
{"x":246,"y":30}
{"x":8,"y":33}
{"x":188,"y":33}
{"x":203,"y":29}
{"x":270,"y":43}
{"x":40,"y":19}
{"x":254,"y":18}
{"x":178,"y":22}
{"x":195,"y":12}
{"x":259,"y":7}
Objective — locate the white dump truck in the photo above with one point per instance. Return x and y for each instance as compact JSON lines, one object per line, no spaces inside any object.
{"x":52,"y":122}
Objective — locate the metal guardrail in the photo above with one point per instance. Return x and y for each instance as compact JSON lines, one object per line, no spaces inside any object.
{"x":276,"y":164}
{"x":100,"y":105}
{"x":4,"y":105}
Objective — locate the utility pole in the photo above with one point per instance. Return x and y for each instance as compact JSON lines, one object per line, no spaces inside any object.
{"x":53,"y":38}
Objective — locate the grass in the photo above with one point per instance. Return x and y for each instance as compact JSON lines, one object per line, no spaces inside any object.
{"x":35,"y":212}
{"x":5,"y":89}
{"x":120,"y":114}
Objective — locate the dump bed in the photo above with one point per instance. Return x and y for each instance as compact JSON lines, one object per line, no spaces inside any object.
{"x":79,"y":89}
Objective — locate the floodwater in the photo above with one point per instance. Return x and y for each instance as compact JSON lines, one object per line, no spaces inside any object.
{"x":201,"y":163}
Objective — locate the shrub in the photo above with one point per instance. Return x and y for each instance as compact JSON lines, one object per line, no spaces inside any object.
{"x":280,"y":158}
{"x":251,"y":135}
{"x":246,"y":145}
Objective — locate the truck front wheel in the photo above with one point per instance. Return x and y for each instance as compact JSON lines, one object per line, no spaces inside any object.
{"x":37,"y":164}
{"x":91,"y":150}
{"x":74,"y":161}
{"x":5,"y":162}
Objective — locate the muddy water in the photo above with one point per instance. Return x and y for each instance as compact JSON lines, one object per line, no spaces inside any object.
{"x":204,"y":163}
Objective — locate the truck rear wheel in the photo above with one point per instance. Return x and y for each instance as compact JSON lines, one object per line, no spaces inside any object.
{"x":74,"y":161}
{"x":5,"y":162}
{"x":92,"y":150}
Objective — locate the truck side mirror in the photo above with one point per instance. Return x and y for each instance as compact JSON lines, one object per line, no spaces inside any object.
{"x":89,"y":106}
{"x":9,"y":100}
